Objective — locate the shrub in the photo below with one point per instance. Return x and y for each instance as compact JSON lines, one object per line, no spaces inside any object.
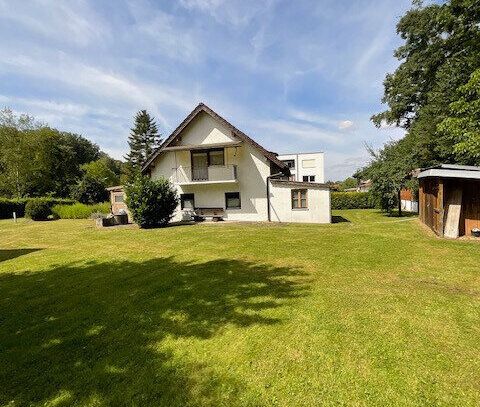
{"x":38,"y":209}
{"x":79,"y":210}
{"x":151,"y":203}
{"x":90,"y":190}
{"x":8,"y":206}
{"x":352,"y":200}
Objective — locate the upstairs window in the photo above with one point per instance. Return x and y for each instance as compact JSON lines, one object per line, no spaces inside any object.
{"x":309,"y":178}
{"x":299,"y":199}
{"x":232,"y":200}
{"x":308,"y":163}
{"x":187,"y":201}
{"x":290,"y":164}
{"x":118,"y":198}
{"x":216,"y":157}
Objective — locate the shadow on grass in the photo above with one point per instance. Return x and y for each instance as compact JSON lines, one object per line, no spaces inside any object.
{"x":7,"y":254}
{"x":395,"y":214}
{"x":94,"y":334}
{"x":339,"y":219}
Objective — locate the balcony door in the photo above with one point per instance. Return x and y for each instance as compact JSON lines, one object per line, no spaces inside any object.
{"x":199,"y":166}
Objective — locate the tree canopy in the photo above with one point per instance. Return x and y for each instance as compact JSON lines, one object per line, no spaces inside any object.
{"x":462,"y":127}
{"x":37,"y":160}
{"x":427,"y":94}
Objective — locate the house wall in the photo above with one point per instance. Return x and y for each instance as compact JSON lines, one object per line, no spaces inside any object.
{"x":253,"y":168}
{"x":318,"y":210}
{"x":204,"y":129}
{"x":301,"y":170}
{"x":252,"y":171}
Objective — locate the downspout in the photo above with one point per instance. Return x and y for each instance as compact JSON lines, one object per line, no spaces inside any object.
{"x":268,"y":191}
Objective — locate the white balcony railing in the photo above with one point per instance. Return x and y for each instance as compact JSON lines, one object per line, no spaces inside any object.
{"x":212,"y":173}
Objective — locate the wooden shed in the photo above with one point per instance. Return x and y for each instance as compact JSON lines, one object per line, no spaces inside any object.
{"x":449,"y":199}
{"x":117,"y":199}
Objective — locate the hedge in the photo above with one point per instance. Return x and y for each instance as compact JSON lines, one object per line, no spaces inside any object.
{"x":352,"y":200}
{"x":8,"y":206}
{"x":79,"y":210}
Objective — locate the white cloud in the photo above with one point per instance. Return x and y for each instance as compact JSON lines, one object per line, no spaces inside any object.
{"x":346,"y":125}
{"x":310,"y":117}
{"x":74,"y":23}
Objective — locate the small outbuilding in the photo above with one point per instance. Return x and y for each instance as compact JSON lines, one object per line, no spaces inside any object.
{"x":117,"y":199}
{"x":449,"y":199}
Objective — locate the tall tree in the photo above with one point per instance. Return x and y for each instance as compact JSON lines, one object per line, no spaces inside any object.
{"x":463,"y":125}
{"x":439,"y":54}
{"x":390,"y":172}
{"x":143,"y":140}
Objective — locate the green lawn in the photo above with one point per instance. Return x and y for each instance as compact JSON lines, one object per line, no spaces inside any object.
{"x":369,"y":311}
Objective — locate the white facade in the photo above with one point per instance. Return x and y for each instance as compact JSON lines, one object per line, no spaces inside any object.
{"x":305,"y":167}
{"x":214,"y":167}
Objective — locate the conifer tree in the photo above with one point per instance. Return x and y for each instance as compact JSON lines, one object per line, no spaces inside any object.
{"x":143,"y":141}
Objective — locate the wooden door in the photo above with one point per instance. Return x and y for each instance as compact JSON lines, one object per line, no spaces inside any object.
{"x":430,"y":213}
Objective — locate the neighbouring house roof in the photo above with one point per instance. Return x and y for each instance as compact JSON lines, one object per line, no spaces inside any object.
{"x":451,"y":171}
{"x":236,"y":132}
{"x":299,"y":184}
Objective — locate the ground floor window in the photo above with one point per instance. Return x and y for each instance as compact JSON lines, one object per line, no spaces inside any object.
{"x":299,"y":199}
{"x":187,"y":201}
{"x":309,"y":178}
{"x":232,"y":200}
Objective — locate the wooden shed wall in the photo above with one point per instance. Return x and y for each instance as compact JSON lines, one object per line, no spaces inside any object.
{"x":430,"y":203}
{"x":434,"y":193}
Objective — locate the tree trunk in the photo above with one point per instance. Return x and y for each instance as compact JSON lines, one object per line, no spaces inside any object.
{"x":399,"y":203}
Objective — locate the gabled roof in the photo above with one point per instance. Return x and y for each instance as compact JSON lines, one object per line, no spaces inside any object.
{"x":236,"y":132}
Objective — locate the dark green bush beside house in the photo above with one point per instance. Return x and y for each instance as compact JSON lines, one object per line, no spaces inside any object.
{"x":8,"y":206}
{"x":151,"y":202}
{"x":352,"y":200}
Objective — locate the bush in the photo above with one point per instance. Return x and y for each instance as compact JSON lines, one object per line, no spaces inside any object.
{"x":38,"y":209}
{"x":151,"y":203}
{"x":352,"y":200}
{"x":79,"y":210}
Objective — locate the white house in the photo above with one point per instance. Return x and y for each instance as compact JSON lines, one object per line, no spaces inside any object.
{"x":305,"y":167}
{"x":219,"y":171}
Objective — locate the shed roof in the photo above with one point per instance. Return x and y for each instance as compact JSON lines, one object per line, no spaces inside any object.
{"x":451,"y":171}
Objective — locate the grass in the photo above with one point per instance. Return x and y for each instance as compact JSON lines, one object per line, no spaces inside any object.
{"x":369,"y":311}
{"x":79,"y":210}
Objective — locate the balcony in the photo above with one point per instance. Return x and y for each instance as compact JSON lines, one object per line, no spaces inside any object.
{"x":213,"y":174}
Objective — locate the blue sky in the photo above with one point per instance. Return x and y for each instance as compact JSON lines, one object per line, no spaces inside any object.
{"x":296,"y":76}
